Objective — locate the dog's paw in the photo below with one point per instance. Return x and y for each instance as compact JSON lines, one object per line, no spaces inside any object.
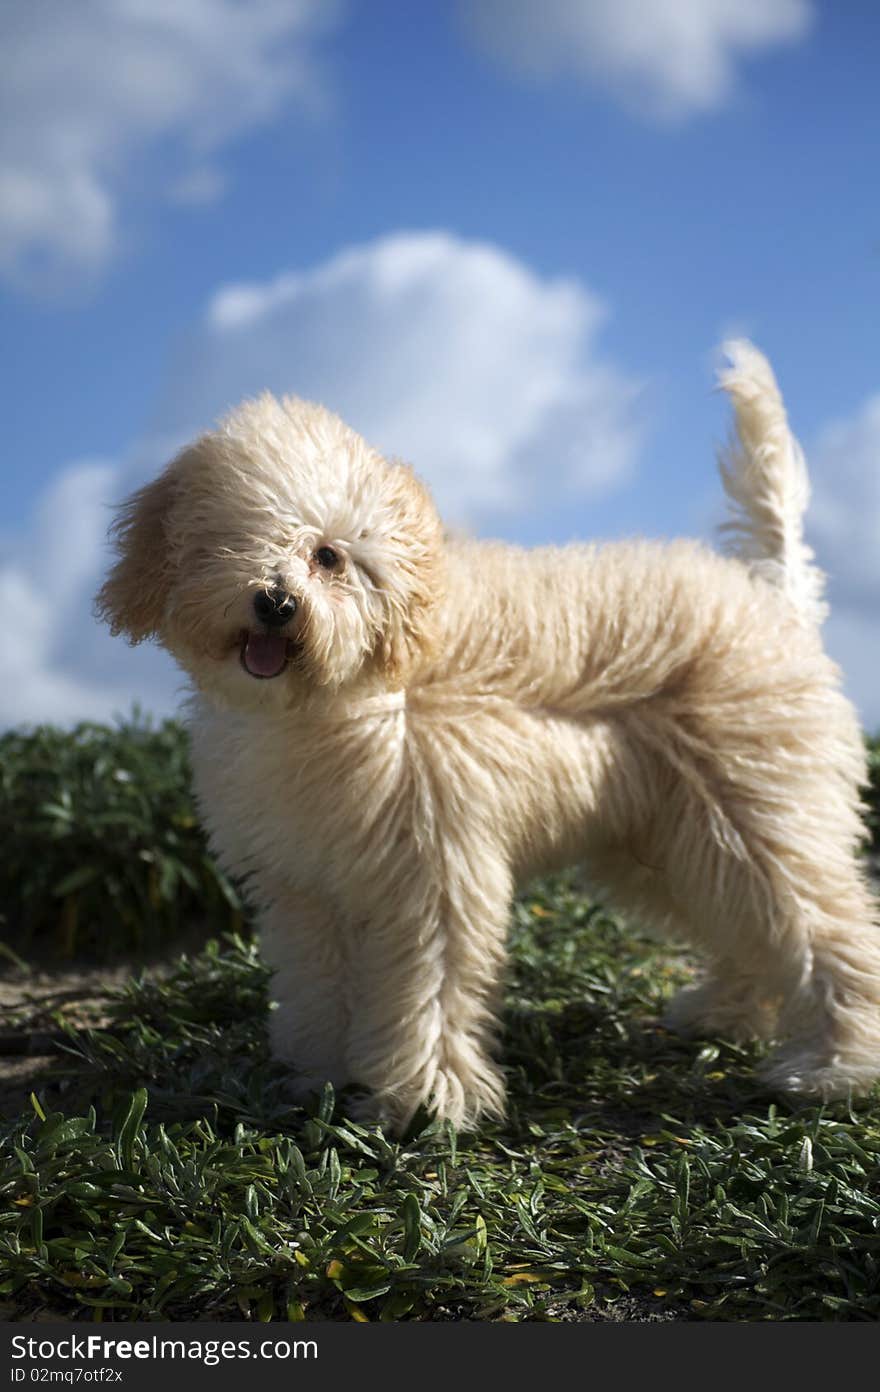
{"x":464,"y":1102}
{"x":707,"y":1011}
{"x":302,"y":1088}
{"x":815,"y":1072}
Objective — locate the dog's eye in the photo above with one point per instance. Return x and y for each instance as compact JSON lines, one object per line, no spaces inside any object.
{"x":327,"y":557}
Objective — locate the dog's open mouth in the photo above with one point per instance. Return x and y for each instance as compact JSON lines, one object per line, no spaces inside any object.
{"x":265,"y":655}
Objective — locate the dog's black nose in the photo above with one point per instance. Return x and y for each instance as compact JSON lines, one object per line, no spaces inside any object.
{"x":274,"y":606}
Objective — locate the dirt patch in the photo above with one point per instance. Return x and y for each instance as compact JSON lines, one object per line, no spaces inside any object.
{"x":40,"y":1002}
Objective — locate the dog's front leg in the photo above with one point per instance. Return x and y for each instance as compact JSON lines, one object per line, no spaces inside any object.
{"x":302,"y":942}
{"x":428,"y":970}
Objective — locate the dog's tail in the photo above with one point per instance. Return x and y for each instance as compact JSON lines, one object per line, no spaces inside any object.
{"x":765,"y":477}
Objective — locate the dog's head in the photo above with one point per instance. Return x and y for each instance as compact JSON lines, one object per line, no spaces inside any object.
{"x":279,"y":554}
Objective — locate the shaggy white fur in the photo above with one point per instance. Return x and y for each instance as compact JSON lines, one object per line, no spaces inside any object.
{"x":393,"y":730}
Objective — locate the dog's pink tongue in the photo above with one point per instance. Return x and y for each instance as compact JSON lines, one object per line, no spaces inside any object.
{"x":265,"y":654}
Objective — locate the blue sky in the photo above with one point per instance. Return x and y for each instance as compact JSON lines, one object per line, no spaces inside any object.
{"x":502,"y":237}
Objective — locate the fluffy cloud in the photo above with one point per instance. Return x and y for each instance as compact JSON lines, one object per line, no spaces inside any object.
{"x":55,"y":663}
{"x":451,"y":354}
{"x":845,"y":513}
{"x":92,"y":91}
{"x":852,"y":637}
{"x":666,"y":59}
{"x":448,"y":353}
{"x":844,"y":527}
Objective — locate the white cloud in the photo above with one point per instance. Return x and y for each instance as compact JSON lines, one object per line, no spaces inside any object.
{"x":96,"y":94}
{"x":665,"y":59}
{"x":55,"y":663}
{"x":453,"y":355}
{"x":844,"y":528}
{"x":852,"y":637}
{"x":450,"y":354}
{"x":845,"y":512}
{"x":197,"y":186}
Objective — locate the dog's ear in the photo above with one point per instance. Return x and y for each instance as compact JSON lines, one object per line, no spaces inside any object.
{"x":134,"y":595}
{"x":406,"y":639}
{"x":411,"y":631}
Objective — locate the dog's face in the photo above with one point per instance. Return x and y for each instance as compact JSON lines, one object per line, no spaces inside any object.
{"x":279,"y":555}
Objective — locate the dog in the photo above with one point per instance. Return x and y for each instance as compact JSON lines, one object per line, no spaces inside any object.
{"x":392,"y":730}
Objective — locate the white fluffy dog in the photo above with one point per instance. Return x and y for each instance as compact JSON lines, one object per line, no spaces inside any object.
{"x":393,"y":730}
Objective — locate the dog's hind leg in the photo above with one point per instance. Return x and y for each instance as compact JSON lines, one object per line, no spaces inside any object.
{"x":730,"y":1001}
{"x":731,"y":998}
{"x":758,"y":867}
{"x":829,"y":1026}
{"x":809,"y":977}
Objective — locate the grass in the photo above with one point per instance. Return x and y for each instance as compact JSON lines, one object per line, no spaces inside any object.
{"x":101,"y":847}
{"x":160,"y":1173}
{"x":872,"y":794}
